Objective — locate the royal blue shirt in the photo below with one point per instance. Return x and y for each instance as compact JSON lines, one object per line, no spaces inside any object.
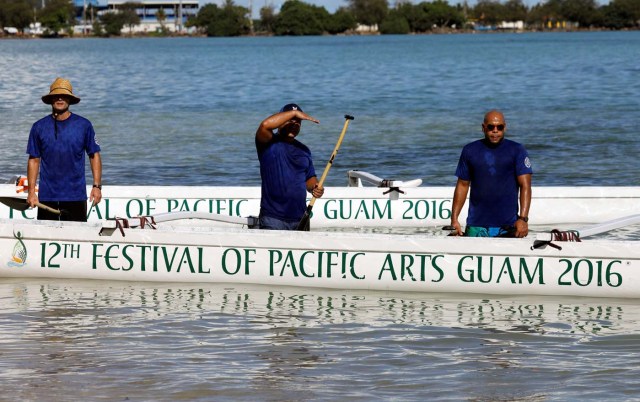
{"x":285,"y":168}
{"x":62,"y":156}
{"x":493,"y":171}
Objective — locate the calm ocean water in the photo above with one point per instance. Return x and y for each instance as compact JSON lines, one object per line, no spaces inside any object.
{"x":184,"y":111}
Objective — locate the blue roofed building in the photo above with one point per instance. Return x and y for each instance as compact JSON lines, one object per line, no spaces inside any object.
{"x":175,"y":13}
{"x":96,"y":3}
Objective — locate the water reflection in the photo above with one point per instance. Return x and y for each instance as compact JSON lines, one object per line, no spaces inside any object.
{"x":81,"y":306}
{"x":198,"y":342}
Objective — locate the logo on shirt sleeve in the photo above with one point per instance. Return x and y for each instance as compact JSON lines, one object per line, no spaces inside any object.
{"x":527,"y":162}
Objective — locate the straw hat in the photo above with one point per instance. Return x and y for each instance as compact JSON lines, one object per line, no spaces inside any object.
{"x":60,"y":86}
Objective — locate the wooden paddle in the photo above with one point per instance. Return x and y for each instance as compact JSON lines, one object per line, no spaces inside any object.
{"x":20,"y":204}
{"x":304,"y":224}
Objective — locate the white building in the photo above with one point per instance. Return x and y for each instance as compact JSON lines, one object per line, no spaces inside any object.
{"x":176,"y":14}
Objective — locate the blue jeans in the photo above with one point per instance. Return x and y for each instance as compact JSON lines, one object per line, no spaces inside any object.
{"x":270,"y":223}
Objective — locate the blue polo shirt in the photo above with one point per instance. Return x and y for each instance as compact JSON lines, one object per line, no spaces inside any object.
{"x":493,"y":171}
{"x":285,"y":168}
{"x":62,"y":156}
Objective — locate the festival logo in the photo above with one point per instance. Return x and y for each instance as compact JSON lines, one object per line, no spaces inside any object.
{"x":19,"y":255}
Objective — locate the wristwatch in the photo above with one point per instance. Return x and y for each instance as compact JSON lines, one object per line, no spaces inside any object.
{"x":523,"y":218}
{"x":98,"y":186}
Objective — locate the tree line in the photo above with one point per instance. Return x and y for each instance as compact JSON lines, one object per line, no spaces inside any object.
{"x":295,"y":17}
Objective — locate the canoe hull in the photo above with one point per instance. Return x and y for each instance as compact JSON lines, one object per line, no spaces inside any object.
{"x":598,"y":268}
{"x":354,"y":206}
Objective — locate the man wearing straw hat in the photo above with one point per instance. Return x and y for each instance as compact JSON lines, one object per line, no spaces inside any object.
{"x":57,"y":146}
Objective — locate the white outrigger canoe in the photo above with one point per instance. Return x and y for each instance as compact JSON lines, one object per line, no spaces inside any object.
{"x":367,"y":201}
{"x":155,"y":250}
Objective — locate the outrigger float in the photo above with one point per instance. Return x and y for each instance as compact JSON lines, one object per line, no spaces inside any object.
{"x":161,"y":248}
{"x":367,"y":201}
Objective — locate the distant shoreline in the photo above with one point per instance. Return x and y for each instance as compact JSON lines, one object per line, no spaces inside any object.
{"x":435,"y":32}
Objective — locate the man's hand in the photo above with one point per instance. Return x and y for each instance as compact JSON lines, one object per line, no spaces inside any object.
{"x":96,"y":196}
{"x":522,"y":228}
{"x":457,"y":227}
{"x":317,"y":191}
{"x":32,"y":199}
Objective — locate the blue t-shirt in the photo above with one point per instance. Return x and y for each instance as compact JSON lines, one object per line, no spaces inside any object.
{"x":62,"y":156}
{"x":285,"y":168}
{"x":493,"y":171}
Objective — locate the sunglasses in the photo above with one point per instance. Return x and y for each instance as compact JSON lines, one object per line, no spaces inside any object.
{"x":492,"y":127}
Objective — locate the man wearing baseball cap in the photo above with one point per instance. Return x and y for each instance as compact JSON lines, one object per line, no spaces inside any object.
{"x":286,"y":169}
{"x":57,"y":146}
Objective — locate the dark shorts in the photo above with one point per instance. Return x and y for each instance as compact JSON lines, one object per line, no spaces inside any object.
{"x":481,"y":231}
{"x":69,"y":211}
{"x":269,"y":223}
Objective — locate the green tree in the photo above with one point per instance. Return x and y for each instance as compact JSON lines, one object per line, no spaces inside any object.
{"x":129,"y":14}
{"x":341,"y":21}
{"x":443,"y":15}
{"x":15,"y":13}
{"x":416,"y":16}
{"x":113,"y":23}
{"x":57,"y":15}
{"x":515,"y":10}
{"x":97,"y":28}
{"x":541,"y":14}
{"x":621,"y":14}
{"x":489,"y":12}
{"x":584,"y":12}
{"x":267,"y":18}
{"x":369,"y":12}
{"x":228,"y":20}
{"x":395,"y":24}
{"x":299,"y":18}
{"x":161,"y":16}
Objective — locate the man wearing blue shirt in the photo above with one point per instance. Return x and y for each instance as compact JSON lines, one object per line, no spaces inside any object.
{"x":286,"y":169}
{"x":498,"y":171}
{"x":57,"y":146}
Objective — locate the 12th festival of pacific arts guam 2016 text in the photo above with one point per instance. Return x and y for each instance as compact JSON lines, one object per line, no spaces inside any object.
{"x":322,"y":265}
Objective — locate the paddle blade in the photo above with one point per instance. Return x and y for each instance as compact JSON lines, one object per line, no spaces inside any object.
{"x":19,"y":204}
{"x":305,"y":223}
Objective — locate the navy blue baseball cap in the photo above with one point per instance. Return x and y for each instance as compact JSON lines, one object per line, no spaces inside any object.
{"x":290,"y":106}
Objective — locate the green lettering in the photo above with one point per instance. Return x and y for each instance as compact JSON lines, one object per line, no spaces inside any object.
{"x":200,"y":261}
{"x":108,"y":257}
{"x":506,"y":268}
{"x":362,"y":208}
{"x":126,"y":256}
{"x":272,"y":261}
{"x":434,"y":264}
{"x":186,"y":258}
{"x":289,"y":262}
{"x":143,"y":256}
{"x":95,"y":254}
{"x":352,"y":266}
{"x":469,"y":277}
{"x":302,"y":271}
{"x":406,"y":262}
{"x":382,"y":212}
{"x":225,"y":268}
{"x":169,"y":262}
{"x":387,"y":266}
{"x":524,"y":271}
{"x":481,"y":268}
